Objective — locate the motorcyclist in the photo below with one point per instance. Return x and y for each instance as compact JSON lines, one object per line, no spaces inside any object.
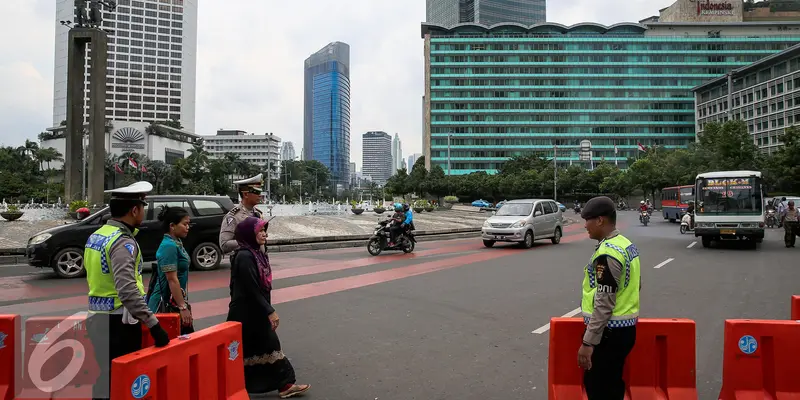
{"x":642,"y":208}
{"x":409,"y":217}
{"x":397,"y":219}
{"x":690,"y":211}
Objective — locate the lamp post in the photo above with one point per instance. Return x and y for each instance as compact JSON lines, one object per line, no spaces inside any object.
{"x":555,"y":173}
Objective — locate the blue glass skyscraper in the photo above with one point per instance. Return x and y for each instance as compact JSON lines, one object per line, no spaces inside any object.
{"x":326,"y":130}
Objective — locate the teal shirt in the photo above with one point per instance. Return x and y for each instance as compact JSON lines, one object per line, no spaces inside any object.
{"x":171,"y":256}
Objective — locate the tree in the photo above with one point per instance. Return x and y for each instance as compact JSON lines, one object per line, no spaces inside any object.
{"x":398,"y":184}
{"x":729,"y":147}
{"x":784,"y":167}
{"x":643,"y":175}
{"x":416,"y":180}
{"x":436,"y":183}
{"x":519,"y":164}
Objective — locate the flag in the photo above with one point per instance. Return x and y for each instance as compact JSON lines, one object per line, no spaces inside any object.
{"x":616,"y":150}
{"x":133,"y":163}
{"x":641,"y":147}
{"x":144,"y":169}
{"x":117,"y":168}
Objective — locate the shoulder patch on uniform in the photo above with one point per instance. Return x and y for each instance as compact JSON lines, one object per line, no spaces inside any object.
{"x":130,"y":248}
{"x":230,"y":220}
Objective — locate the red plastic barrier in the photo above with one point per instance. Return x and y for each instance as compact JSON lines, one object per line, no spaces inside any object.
{"x":796,"y":308}
{"x":661,"y":365}
{"x":73,"y":332}
{"x":760,"y":360}
{"x":206,"y":365}
{"x":10,"y":354}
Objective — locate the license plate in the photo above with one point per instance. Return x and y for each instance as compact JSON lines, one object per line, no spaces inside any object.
{"x":496,"y":237}
{"x":727,"y":232}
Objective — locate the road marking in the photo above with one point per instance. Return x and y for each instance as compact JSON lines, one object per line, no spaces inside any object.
{"x":546,"y":327}
{"x":667,"y":261}
{"x":691,"y":245}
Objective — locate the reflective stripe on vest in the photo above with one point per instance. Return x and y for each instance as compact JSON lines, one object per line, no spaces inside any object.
{"x":103,"y":296}
{"x":626,"y":309}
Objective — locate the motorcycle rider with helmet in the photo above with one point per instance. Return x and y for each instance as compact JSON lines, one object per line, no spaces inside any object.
{"x":397,"y":219}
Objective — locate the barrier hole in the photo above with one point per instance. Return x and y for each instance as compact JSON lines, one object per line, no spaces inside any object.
{"x":161,"y":383}
{"x":194,"y":377}
{"x":662,"y":365}
{"x":768,"y":364}
{"x":222,"y":372}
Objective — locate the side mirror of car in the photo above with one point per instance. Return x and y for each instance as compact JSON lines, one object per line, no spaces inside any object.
{"x":537,"y":213}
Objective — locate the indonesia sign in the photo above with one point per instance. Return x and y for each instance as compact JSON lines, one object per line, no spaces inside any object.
{"x":717,"y":8}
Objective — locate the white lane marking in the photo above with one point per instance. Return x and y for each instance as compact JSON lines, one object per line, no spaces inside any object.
{"x":546,"y":327}
{"x":667,"y":261}
{"x":691,"y":245}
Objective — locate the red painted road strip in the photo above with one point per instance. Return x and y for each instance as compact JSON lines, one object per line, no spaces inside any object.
{"x":220,"y":279}
{"x":212,"y":308}
{"x":18,"y":288}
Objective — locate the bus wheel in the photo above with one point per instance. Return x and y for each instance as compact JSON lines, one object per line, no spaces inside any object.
{"x":706,"y":241}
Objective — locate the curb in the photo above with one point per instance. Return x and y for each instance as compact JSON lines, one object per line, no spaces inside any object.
{"x":348,"y":238}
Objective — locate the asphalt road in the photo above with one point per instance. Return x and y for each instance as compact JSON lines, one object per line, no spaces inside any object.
{"x":455,"y":320}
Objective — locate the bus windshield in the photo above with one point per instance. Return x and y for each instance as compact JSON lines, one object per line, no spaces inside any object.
{"x":729,"y":196}
{"x":687,"y":195}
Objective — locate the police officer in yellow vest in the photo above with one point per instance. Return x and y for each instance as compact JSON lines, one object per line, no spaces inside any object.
{"x":113,"y":263}
{"x":610,"y":303}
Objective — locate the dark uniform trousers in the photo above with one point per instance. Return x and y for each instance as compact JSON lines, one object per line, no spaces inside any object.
{"x":791,"y":231}
{"x":110,"y":339}
{"x":604,"y":381}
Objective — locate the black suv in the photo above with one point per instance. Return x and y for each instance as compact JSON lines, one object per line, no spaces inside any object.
{"x":61,"y":248}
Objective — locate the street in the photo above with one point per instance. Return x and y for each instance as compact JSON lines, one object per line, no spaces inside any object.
{"x":455,"y":320}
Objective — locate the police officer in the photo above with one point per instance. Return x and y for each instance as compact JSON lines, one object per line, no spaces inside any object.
{"x":113,"y":263}
{"x":610,"y":303}
{"x":250,"y":194}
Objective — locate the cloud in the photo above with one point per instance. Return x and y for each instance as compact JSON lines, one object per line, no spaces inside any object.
{"x":250,"y":63}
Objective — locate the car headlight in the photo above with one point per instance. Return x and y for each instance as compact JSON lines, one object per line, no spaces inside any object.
{"x":39,"y":238}
{"x":518,"y":224}
{"x":749,"y":225}
{"x":705,"y":224}
{"x":486,"y":224}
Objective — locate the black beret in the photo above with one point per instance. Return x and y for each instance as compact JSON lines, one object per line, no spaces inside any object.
{"x":600,"y":206}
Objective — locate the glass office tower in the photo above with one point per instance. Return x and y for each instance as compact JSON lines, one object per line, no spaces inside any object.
{"x":485,"y":12}
{"x":326,"y":131}
{"x":491,"y":94}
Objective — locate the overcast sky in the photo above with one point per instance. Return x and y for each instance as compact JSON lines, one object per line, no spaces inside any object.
{"x":250,"y":62}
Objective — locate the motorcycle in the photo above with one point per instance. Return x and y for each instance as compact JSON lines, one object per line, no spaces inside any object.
{"x":577,"y":209}
{"x":644,"y":217}
{"x":379,"y":241}
{"x":686,"y":223}
{"x":772,"y":219}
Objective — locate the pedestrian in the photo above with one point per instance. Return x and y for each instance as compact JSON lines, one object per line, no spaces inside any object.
{"x":266,"y":367}
{"x":790,"y":224}
{"x":113,"y":263}
{"x":610,"y":303}
{"x":250,"y":195}
{"x":781,"y":210}
{"x":169,"y":286}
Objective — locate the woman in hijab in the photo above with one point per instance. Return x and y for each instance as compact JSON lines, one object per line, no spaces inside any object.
{"x":266,"y":368}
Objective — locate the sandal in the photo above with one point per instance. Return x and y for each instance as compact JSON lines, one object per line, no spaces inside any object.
{"x":295,"y":390}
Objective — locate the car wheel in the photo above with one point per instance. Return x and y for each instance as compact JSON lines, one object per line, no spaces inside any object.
{"x":68,"y":263}
{"x":488,"y":243}
{"x":706,"y":241}
{"x":528,"y":243}
{"x":206,"y":256}
{"x":556,"y":239}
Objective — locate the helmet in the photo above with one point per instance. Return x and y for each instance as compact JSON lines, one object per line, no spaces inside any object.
{"x":398,"y":207}
{"x":405,"y":207}
{"x":641,"y":202}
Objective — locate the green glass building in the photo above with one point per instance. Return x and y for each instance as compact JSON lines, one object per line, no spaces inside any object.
{"x":493,"y":93}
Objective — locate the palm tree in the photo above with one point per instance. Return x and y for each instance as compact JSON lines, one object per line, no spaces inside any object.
{"x":48,"y":154}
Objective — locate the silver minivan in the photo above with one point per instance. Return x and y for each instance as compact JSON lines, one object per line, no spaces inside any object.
{"x":524,"y":221}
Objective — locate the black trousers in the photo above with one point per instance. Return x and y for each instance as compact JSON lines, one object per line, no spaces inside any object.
{"x":110,"y":339}
{"x":791,"y":230}
{"x":395,"y":231}
{"x":604,"y":381}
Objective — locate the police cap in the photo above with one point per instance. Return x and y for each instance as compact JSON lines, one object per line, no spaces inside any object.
{"x":600,"y":206}
{"x":137,"y":191}
{"x":252,"y":185}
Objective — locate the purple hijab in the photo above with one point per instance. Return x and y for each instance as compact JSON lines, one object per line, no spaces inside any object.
{"x":245,"y":234}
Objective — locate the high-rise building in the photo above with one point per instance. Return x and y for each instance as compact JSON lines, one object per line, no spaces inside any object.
{"x":287,"y":151}
{"x":486,"y":12}
{"x":397,"y":154}
{"x":376,"y":163}
{"x":256,"y":149}
{"x":604,"y":88}
{"x":412,"y":159}
{"x":152,"y":61}
{"x":326,"y":130}
{"x":765,"y":95}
